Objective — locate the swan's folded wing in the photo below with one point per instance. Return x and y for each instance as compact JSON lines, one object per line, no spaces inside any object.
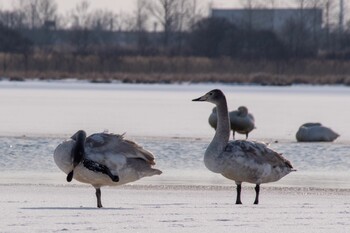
{"x":257,"y":151}
{"x":116,"y":144}
{"x":251,"y":117}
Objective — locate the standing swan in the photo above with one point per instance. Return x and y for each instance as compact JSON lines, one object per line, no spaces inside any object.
{"x":241,"y":121}
{"x":103,"y":159}
{"x":240,"y":160}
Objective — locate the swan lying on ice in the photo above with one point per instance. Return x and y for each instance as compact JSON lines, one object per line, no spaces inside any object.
{"x":315,"y":132}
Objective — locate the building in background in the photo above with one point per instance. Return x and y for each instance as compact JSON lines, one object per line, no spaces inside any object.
{"x":276,"y":20}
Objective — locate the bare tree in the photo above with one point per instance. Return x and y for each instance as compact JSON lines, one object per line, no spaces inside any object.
{"x":36,"y":12}
{"x":249,"y":6}
{"x":271,"y":4}
{"x":80,"y":16}
{"x":103,"y":20}
{"x":166,"y":12}
{"x":301,"y":4}
{"x":174,"y":16}
{"x":141,"y":16}
{"x":80,"y":19}
{"x":12,"y":19}
{"x":195,"y":12}
{"x":140,"y":20}
{"x":46,"y":10}
{"x":316,"y":20}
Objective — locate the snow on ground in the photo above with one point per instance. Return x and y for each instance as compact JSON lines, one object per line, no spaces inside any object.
{"x":38,"y":208}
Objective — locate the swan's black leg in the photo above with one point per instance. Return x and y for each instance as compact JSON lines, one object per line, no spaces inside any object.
{"x":233,"y":134}
{"x":246,"y":135}
{"x":98,"y":196}
{"x":257,"y":190}
{"x":238,"y":200}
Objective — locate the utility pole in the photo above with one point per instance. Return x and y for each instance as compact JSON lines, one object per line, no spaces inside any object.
{"x":341,"y":16}
{"x":327,"y":24}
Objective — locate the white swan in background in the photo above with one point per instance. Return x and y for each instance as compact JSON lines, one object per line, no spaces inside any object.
{"x":315,"y":132}
{"x":103,"y":159}
{"x":241,"y":121}
{"x":240,"y":160}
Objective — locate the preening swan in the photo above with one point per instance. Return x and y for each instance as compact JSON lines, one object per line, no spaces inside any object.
{"x":241,"y":121}
{"x":315,"y":132}
{"x":77,"y":151}
{"x":240,"y":160}
{"x":103,"y":159}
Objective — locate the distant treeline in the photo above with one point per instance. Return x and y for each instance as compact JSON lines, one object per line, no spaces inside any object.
{"x":33,"y":40}
{"x":209,"y":37}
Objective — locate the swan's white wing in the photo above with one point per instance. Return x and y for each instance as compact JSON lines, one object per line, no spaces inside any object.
{"x":113,"y":144}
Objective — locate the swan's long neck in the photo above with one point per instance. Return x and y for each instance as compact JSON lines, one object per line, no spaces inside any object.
{"x":220,"y":140}
{"x":222,"y":133}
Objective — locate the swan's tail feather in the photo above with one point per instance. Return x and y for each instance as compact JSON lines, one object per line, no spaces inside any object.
{"x":156,"y":171}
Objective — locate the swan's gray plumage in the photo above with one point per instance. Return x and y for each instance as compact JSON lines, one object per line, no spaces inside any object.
{"x":315,"y":132}
{"x":311,"y":124}
{"x":102,"y":143}
{"x":213,"y":118}
{"x":241,"y":121}
{"x":241,"y":160}
{"x":111,"y":154}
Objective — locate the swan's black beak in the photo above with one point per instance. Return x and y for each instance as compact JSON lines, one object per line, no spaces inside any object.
{"x":202,"y":98}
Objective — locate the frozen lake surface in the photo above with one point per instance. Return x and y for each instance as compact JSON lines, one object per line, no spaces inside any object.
{"x":163,"y":119}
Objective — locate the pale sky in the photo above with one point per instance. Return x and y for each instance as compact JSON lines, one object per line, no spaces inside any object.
{"x":128,"y":6}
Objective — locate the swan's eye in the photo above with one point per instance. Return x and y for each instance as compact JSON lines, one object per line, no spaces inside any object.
{"x":210,"y":93}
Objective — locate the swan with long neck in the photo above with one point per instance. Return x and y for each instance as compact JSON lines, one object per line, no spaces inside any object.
{"x":240,"y":160}
{"x":103,"y":159}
